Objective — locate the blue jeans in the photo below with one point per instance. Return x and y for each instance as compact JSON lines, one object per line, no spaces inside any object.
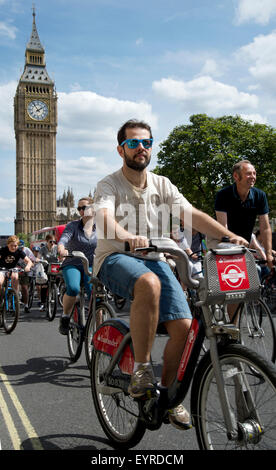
{"x":72,"y":276}
{"x":119,"y":273}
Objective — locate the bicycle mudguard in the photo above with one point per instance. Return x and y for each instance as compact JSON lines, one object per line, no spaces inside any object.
{"x":107,"y":340}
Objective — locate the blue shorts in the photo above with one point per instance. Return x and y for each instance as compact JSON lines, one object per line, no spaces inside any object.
{"x":119,"y":273}
{"x":72,"y":277}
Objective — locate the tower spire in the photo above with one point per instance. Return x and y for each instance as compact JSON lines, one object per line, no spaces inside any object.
{"x":34,"y":43}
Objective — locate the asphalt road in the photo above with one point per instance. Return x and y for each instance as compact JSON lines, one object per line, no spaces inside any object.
{"x":46,"y":401}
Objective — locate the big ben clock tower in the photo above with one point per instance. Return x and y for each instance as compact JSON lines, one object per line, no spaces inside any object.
{"x":35,"y":124}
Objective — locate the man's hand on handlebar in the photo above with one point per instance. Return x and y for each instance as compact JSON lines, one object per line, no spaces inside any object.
{"x":137,"y":241}
{"x":238,"y":240}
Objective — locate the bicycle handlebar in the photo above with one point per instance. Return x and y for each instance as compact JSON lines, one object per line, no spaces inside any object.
{"x":12,"y":270}
{"x":167,"y":245}
{"x":84,"y":260}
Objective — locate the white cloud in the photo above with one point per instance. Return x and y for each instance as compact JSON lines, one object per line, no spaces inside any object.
{"x":209,"y":61}
{"x":7,"y":203}
{"x":260,"y":56}
{"x":259,"y":11}
{"x":7,"y":93}
{"x":7,"y":207}
{"x":82,"y":174}
{"x":257,"y":118}
{"x":139,"y":41}
{"x":211,"y":68}
{"x":92,"y":121}
{"x":7,"y":30}
{"x":206,"y":95}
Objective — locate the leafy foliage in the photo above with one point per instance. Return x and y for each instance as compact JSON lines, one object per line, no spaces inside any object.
{"x":198,"y":157}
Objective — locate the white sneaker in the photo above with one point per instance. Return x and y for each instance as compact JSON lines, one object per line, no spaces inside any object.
{"x":179,"y":417}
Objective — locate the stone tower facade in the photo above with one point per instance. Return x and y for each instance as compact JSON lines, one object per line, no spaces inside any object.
{"x":35,"y":125}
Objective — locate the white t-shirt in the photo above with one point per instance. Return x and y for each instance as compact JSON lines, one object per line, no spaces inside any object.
{"x":143,"y":212}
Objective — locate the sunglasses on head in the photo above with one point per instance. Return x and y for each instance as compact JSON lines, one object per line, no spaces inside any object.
{"x":133,"y":143}
{"x":82,"y":208}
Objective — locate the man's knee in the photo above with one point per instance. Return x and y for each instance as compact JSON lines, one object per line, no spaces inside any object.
{"x":148,"y":285}
{"x":73,"y":290}
{"x":178,"y":329}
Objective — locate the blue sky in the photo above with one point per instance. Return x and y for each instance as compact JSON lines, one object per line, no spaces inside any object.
{"x":115,"y":59}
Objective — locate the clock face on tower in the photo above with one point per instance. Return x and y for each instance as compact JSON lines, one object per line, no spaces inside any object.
{"x":37,"y":110}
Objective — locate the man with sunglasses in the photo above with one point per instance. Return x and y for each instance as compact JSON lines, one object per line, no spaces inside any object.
{"x":74,"y":238}
{"x":157,"y":296}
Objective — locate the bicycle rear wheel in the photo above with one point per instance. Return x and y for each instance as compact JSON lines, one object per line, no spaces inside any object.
{"x":51,"y":303}
{"x":10,"y":314}
{"x":250,"y":385}
{"x":104,"y":311}
{"x":257,"y":329}
{"x":117,"y":411}
{"x":75,"y":334}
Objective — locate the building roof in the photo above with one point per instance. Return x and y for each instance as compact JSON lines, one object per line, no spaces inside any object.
{"x":36,"y":74}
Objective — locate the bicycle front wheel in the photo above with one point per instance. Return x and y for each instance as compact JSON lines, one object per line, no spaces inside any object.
{"x":117,"y":411}
{"x":257,"y":329}
{"x":250,"y":385}
{"x":75,"y":334}
{"x":10,"y":314}
{"x":61,"y":292}
{"x":104,"y":312}
{"x":51,"y":304}
{"x":31,"y":293}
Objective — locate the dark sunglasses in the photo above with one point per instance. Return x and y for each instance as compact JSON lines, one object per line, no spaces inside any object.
{"x":51,"y":241}
{"x":133,"y":143}
{"x":82,"y":208}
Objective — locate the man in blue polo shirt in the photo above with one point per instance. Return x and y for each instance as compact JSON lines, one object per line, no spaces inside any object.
{"x":237,"y":206}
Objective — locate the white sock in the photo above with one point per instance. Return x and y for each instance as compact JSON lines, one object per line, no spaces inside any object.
{"x":137,"y":364}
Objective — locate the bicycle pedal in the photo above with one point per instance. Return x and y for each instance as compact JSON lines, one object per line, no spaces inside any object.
{"x":152,"y":393}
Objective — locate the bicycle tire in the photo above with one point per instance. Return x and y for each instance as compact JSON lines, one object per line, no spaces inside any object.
{"x":269,"y":291}
{"x":118,"y":412}
{"x":237,"y":363}
{"x":31,"y":294}
{"x":75,"y":334}
{"x":51,"y":302}
{"x":257,"y":329}
{"x":61,"y":292}
{"x":10,"y":313}
{"x":93,"y":323}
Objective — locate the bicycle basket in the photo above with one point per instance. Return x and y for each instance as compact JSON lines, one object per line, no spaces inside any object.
{"x":54,"y":268}
{"x":230,"y":276}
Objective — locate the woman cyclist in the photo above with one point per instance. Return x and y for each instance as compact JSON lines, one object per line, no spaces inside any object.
{"x":74,"y":238}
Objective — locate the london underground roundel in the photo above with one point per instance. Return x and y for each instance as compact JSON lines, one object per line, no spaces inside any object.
{"x":232,"y":272}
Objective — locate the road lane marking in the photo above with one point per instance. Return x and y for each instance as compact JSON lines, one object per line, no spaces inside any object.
{"x":9,"y":423}
{"x":35,"y":441}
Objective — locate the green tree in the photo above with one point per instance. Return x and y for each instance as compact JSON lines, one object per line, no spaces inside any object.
{"x":198,"y":157}
{"x":25,"y":237}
